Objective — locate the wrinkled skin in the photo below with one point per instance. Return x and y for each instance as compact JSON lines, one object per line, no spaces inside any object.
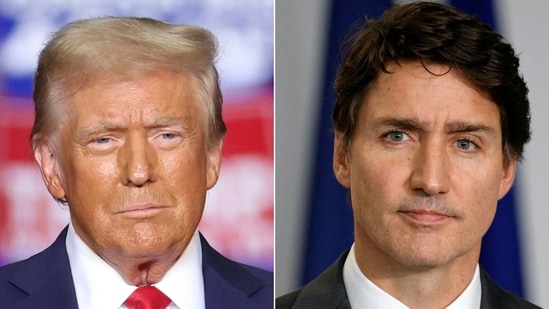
{"x":133,"y":161}
{"x":425,"y":169}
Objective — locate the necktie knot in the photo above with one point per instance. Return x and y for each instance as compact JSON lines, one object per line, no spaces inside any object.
{"x":147,"y":297}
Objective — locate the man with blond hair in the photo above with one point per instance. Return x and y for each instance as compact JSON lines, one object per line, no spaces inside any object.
{"x":128,"y":134}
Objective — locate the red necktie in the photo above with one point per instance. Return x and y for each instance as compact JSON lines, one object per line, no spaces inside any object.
{"x":147,"y":297}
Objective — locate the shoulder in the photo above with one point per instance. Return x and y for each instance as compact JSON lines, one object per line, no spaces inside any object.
{"x":236,"y":284}
{"x":265,"y":276}
{"x":29,"y":269}
{"x":325,"y":291}
{"x":265,"y":283}
{"x":20,"y":272}
{"x":493,"y":296}
{"x":30,"y":281}
{"x":287,"y":300}
{"x":12,"y":270}
{"x":229,"y":269}
{"x":10,"y":293}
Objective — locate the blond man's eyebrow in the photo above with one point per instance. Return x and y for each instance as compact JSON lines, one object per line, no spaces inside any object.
{"x":168,"y":122}
{"x":106,"y":126}
{"x":103,"y":126}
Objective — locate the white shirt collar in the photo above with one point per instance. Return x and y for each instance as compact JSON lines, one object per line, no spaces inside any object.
{"x":363,"y":293}
{"x":98,"y":285}
{"x":470,"y":298}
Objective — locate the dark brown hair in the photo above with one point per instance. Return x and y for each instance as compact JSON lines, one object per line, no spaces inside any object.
{"x":433,"y":33}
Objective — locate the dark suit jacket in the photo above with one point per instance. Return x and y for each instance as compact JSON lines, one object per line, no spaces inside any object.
{"x":328,"y":291}
{"x":45,"y":281}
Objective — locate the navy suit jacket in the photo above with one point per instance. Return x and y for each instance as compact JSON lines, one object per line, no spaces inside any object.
{"x":327,"y":291}
{"x":45,"y":281}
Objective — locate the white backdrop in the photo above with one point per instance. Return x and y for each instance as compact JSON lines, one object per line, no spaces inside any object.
{"x":300,"y":35}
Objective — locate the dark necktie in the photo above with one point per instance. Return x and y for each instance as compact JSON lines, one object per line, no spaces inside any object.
{"x":147,"y":297}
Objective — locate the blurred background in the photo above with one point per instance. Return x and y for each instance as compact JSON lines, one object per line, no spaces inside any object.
{"x":238,"y":218}
{"x":313,"y":219}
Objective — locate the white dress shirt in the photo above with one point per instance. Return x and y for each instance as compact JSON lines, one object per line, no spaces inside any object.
{"x":363,"y":293}
{"x":98,"y":285}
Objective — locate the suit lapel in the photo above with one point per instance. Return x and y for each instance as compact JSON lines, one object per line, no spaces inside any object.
{"x":327,"y":290}
{"x":494,"y":297}
{"x":226,"y":283}
{"x":490,"y":292}
{"x":54,"y":287}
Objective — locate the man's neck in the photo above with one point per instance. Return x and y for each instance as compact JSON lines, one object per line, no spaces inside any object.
{"x":432,"y":286}
{"x":138,"y":269}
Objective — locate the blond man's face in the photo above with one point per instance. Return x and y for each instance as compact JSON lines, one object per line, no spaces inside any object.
{"x":134,"y":163}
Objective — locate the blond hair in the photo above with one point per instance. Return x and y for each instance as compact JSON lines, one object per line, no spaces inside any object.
{"x":119,"y":48}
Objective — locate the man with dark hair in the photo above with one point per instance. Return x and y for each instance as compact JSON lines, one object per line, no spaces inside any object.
{"x":430,"y":119}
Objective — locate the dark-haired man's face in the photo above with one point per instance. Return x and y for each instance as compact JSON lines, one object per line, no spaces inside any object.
{"x":425,"y":170}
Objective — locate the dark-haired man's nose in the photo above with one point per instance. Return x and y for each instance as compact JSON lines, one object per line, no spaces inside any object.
{"x":430,"y":172}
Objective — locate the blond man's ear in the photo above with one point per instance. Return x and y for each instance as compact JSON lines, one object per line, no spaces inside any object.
{"x":48,"y":161}
{"x":214,"y":164}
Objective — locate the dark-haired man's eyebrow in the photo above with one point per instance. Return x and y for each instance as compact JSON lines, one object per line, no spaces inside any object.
{"x":464,"y":126}
{"x":414,"y":124}
{"x":402,"y":123}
